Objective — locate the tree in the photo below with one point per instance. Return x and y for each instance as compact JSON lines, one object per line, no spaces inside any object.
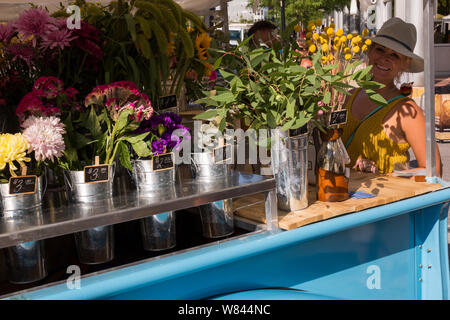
{"x":303,"y":10}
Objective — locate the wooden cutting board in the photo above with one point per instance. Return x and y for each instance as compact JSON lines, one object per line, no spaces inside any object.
{"x":387,"y":190}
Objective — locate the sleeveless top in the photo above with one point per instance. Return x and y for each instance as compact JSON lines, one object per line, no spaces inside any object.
{"x":371,"y":142}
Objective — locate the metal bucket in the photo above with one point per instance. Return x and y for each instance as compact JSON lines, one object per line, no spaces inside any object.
{"x":289,"y":157}
{"x":96,"y":245}
{"x":217,"y":217}
{"x":26,"y":262}
{"x":158,"y":231}
{"x":81,"y":192}
{"x":13,"y":202}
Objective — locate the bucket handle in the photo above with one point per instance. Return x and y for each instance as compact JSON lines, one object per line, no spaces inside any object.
{"x":194,"y":173}
{"x":67,"y":180}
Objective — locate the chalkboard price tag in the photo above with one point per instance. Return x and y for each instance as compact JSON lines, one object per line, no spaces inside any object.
{"x":222,"y":154}
{"x":97,"y":173}
{"x":298,"y":131}
{"x":163,"y":162}
{"x":22,"y":185}
{"x":338,"y":117}
{"x":167,"y":102}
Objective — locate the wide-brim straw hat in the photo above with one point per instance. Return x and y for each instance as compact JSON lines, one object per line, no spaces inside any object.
{"x":401,"y":37}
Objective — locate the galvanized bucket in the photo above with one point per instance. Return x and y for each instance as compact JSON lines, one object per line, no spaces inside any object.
{"x":96,"y":245}
{"x":158,"y":231}
{"x":12,"y":202}
{"x":81,"y":192}
{"x":217,"y":217}
{"x":289,"y":155}
{"x":26,"y":262}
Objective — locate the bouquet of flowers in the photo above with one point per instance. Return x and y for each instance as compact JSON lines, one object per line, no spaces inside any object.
{"x":165,"y":133}
{"x":112,"y":113}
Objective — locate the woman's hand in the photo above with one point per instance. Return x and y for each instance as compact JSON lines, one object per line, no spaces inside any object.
{"x":366,"y":165}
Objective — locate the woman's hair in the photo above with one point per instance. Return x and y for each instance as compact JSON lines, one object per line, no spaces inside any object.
{"x":260,"y":25}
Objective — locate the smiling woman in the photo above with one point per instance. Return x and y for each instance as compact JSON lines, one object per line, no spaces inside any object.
{"x":378,"y":138}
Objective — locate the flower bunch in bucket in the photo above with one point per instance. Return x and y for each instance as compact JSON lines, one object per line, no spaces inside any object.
{"x":111,"y":114}
{"x":343,"y":55}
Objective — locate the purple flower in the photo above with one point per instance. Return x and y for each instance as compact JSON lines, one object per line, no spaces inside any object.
{"x":6,"y":32}
{"x":33,"y":22}
{"x":57,"y":38}
{"x":21,"y":51}
{"x":159,"y":146}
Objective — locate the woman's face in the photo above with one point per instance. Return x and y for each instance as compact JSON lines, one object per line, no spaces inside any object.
{"x":386,"y":63}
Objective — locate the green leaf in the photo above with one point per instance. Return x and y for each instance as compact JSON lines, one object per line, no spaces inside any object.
{"x":144,"y":45}
{"x":124,"y":155}
{"x":206,"y":115}
{"x":145,"y":26}
{"x":93,"y":124}
{"x":375,"y":97}
{"x":136,"y":138}
{"x":136,"y":74}
{"x":290,"y":109}
{"x":218,"y":62}
{"x":123,"y":120}
{"x":327,"y":97}
{"x":271,"y":119}
{"x":131,"y":24}
{"x":141,"y":149}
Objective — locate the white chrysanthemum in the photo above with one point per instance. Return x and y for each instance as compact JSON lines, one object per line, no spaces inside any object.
{"x":45,"y":135}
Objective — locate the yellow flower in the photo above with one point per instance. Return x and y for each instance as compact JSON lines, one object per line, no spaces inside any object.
{"x":332,"y":25}
{"x":202,"y":43}
{"x":335,"y":48}
{"x":336,"y":40}
{"x":315,"y":36}
{"x":297,"y":28}
{"x":208,"y":68}
{"x":325,"y":48}
{"x":364,"y":47}
{"x":170,"y":46}
{"x":311,"y":27}
{"x":312,"y":48}
{"x":343,"y":39}
{"x":13,"y":147}
{"x":318,"y":22}
{"x":347,"y":50}
{"x":308,"y":35}
{"x":348,"y":56}
{"x":368,"y":42}
{"x":308,"y":43}
{"x":330,"y":32}
{"x":356,"y":49}
{"x":330,"y":57}
{"x":365,"y":32}
{"x":310,"y":23}
{"x":349,"y":36}
{"x":324,"y":60}
{"x":339,"y":32}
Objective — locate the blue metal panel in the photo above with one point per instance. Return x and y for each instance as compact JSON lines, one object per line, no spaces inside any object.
{"x":365,"y":255}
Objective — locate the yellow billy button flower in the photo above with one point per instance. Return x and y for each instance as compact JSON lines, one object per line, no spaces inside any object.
{"x":325,"y":48}
{"x":308,"y":43}
{"x":365,"y":32}
{"x":348,"y":56}
{"x":335,"y":48}
{"x":324,"y":60}
{"x":297,"y":28}
{"x":349,"y":36}
{"x":364,"y":47}
{"x":330,"y":32}
{"x":311,"y":27}
{"x":315,"y":36}
{"x":308,"y":35}
{"x":339,"y":32}
{"x":330,"y":57}
{"x":318,"y":22}
{"x":368,"y":42}
{"x":356,"y":49}
{"x":343,"y":39}
{"x":347,"y":50}
{"x":312,"y":48}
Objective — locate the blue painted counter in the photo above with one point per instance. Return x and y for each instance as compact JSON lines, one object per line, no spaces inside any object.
{"x":394,"y":251}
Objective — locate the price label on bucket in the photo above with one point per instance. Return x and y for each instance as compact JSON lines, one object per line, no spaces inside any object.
{"x":168,"y":102}
{"x":338,"y":117}
{"x":163,"y":162}
{"x":22,"y":185}
{"x":96,"y":173}
{"x":222,"y":154}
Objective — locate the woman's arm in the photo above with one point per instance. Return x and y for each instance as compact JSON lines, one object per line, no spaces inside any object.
{"x":412,"y":124}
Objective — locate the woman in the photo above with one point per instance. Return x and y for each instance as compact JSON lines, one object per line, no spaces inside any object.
{"x":382,"y":140}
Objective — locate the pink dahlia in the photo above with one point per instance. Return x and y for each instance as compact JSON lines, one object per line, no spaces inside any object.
{"x":32,"y":105}
{"x":50,"y":86}
{"x":6,"y":32}
{"x":33,"y":22}
{"x":57,"y":38}
{"x":45,"y":136}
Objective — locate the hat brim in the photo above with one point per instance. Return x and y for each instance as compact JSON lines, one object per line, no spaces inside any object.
{"x":417,"y":64}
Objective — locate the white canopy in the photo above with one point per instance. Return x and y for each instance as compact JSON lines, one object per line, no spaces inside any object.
{"x":10,"y":9}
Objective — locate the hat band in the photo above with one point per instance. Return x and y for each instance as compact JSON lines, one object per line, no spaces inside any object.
{"x":398,"y":41}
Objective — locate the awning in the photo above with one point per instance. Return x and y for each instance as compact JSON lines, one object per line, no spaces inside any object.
{"x":10,"y":9}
